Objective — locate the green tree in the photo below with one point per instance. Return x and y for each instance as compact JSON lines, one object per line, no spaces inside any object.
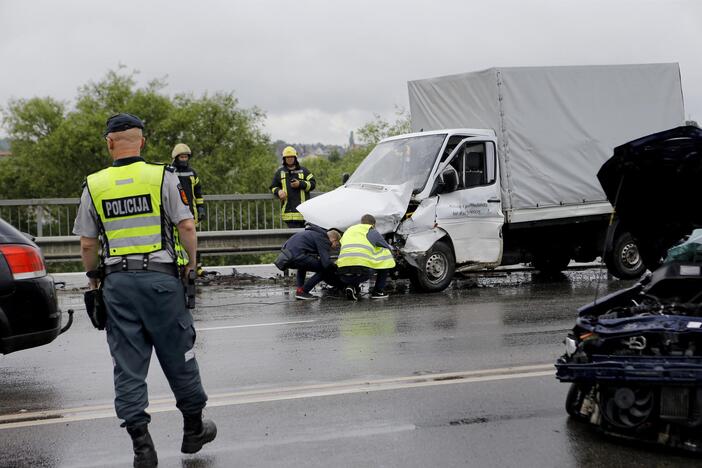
{"x":377,"y":129}
{"x":329,"y":172}
{"x":54,"y":148}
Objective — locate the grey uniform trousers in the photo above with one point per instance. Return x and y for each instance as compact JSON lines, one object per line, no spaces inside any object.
{"x":145,"y":311}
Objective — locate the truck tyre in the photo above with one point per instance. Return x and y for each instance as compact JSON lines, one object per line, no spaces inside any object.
{"x":552,"y":262}
{"x":437,"y":269}
{"x":624,"y":260}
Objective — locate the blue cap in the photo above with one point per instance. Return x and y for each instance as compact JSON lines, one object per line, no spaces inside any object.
{"x":122,"y":122}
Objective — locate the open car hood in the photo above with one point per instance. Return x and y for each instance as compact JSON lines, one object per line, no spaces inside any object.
{"x":655,"y":186}
{"x":344,"y":206}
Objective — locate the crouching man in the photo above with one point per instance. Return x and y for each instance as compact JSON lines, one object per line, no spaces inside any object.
{"x":363,"y":251}
{"x":309,"y":250}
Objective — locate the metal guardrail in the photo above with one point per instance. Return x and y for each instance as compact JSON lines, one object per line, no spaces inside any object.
{"x":57,"y":248}
{"x":240,"y":223}
{"x":53,"y":217}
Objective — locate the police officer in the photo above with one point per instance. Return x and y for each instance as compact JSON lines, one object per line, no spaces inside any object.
{"x":126,"y":214}
{"x":292,"y":184}
{"x":192,"y":188}
{"x":364,"y":250}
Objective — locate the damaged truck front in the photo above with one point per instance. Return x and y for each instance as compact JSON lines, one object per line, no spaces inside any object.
{"x":502,"y":169}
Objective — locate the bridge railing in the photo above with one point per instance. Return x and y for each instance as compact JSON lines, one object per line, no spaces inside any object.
{"x":51,"y":217}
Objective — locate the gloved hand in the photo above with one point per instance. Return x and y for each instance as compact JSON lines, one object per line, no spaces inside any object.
{"x":201,"y":214}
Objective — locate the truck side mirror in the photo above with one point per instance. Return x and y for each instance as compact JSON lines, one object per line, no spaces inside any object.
{"x":450,"y":180}
{"x":345,"y":177}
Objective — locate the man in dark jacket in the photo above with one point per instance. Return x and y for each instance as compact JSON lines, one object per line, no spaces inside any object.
{"x":189,"y":180}
{"x":192,"y":188}
{"x":309,"y":250}
{"x":292,"y":184}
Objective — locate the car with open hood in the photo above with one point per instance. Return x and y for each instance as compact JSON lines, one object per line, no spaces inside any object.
{"x":634,"y":357}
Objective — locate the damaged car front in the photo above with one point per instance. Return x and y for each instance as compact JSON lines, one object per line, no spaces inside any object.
{"x":634,"y":357}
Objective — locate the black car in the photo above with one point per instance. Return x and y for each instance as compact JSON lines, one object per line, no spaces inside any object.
{"x":634,"y":357}
{"x":29,"y":312}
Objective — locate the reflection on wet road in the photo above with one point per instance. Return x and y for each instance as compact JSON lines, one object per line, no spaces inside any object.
{"x":459,"y":378}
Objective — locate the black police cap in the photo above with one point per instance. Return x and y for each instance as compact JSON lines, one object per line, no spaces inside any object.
{"x":122,"y":122}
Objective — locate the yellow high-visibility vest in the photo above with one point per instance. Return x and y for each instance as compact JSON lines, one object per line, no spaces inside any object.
{"x":356,"y":250}
{"x":128,"y":201}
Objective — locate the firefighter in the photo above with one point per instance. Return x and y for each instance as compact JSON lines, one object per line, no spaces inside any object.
{"x":190,"y":183}
{"x":292,"y":184}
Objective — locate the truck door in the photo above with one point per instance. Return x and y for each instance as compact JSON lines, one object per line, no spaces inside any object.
{"x":472,"y":213}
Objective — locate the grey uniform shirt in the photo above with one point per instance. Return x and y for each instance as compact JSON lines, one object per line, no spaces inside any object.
{"x":86,"y":223}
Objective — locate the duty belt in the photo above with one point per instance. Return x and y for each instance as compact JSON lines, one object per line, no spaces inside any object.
{"x":142,"y":265}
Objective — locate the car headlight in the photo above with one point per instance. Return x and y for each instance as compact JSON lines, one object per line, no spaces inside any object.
{"x":570,"y":346}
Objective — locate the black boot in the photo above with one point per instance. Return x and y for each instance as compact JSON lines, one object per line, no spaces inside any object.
{"x":144,"y":450}
{"x":196,"y":432}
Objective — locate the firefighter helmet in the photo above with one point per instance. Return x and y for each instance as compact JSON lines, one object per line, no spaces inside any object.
{"x":289,"y":151}
{"x":181,"y":148}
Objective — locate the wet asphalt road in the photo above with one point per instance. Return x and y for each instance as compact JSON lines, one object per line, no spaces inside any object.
{"x":459,"y":378}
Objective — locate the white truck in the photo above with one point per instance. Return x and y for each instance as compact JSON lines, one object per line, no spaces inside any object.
{"x":502,"y":169}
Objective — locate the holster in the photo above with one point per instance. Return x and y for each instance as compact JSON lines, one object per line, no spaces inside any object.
{"x":190,"y":288}
{"x":95,"y":307}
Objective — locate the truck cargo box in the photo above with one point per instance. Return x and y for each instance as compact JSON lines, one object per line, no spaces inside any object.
{"x":555,"y":125}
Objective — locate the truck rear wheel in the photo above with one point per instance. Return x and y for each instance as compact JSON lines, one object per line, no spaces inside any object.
{"x":437,"y":270}
{"x":625,"y":261}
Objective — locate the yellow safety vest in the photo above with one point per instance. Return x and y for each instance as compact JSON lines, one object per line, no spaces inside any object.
{"x":356,"y":250}
{"x":128,"y":201}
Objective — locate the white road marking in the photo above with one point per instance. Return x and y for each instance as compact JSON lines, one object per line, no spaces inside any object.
{"x":227,"y":327}
{"x":84,"y":413}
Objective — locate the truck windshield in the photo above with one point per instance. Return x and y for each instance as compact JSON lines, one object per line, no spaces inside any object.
{"x":399,"y":161}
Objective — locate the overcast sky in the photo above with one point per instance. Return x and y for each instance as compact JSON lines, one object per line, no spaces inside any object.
{"x":320,"y":68}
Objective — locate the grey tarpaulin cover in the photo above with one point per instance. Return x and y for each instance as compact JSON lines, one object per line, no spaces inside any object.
{"x":555,"y":125}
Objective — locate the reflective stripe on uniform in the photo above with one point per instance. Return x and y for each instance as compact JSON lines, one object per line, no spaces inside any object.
{"x":149,"y":240}
{"x":292,"y":216}
{"x":127,"y":223}
{"x":364,"y":255}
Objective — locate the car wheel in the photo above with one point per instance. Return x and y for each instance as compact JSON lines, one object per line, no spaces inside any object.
{"x":437,"y":270}
{"x":625,"y":260}
{"x":574,"y":400}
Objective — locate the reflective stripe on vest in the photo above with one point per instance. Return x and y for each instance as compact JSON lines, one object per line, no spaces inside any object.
{"x":128,"y":201}
{"x":181,"y":254}
{"x":356,"y":250}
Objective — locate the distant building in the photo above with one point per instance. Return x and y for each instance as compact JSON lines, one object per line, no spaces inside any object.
{"x":306,"y":150}
{"x":5,"y":154}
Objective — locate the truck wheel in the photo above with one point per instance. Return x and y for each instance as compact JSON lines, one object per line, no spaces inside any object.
{"x":625,"y":261}
{"x":437,"y":270}
{"x":550,"y":263}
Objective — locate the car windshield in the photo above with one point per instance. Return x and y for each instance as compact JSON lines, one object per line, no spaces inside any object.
{"x":400,"y":161}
